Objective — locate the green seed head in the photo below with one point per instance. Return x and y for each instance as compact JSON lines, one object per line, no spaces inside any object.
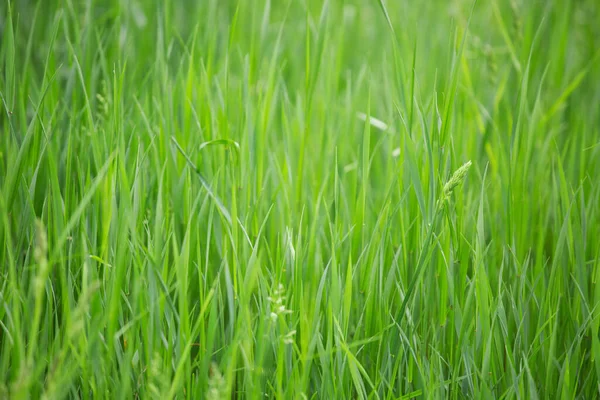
{"x":456,"y":179}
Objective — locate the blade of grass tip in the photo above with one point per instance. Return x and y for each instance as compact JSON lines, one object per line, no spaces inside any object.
{"x":322,"y":37}
{"x":9,"y":60}
{"x":204,"y":183}
{"x":453,"y":82}
{"x":387,"y":17}
{"x":413,"y":73}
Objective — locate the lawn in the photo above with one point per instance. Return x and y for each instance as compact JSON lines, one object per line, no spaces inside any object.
{"x":303,"y":199}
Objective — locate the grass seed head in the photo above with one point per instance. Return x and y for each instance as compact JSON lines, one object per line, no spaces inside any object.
{"x":456,"y":179}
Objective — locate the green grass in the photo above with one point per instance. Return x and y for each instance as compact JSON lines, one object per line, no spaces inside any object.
{"x":300,"y":199}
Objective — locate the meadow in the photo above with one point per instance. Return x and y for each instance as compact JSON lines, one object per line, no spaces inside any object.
{"x":303,"y":199}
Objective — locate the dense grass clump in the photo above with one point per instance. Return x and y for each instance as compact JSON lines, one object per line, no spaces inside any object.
{"x":299,"y":199}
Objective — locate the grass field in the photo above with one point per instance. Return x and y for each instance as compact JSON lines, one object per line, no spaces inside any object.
{"x":300,"y":199}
